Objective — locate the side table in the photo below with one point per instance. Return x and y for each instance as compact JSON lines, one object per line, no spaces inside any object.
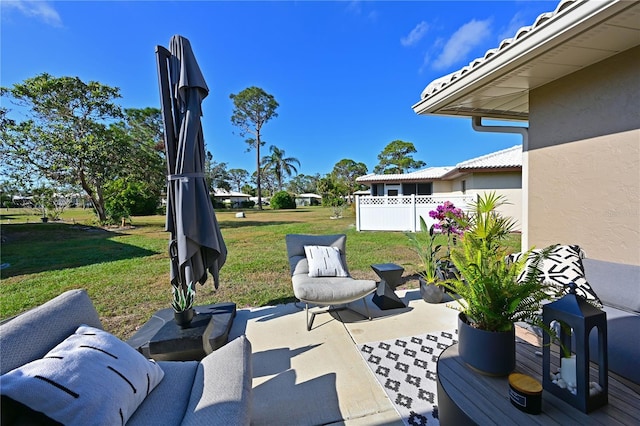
{"x":385,"y":296}
{"x":162,"y":339}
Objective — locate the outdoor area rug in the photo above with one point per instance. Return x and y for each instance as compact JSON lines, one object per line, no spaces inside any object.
{"x":406,"y":369}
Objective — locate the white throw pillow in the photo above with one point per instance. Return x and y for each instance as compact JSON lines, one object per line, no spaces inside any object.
{"x":91,"y":378}
{"x":324,"y":261}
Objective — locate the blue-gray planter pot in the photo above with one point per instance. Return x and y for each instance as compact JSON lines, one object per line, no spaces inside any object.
{"x":488,"y":352}
{"x":431,"y":292}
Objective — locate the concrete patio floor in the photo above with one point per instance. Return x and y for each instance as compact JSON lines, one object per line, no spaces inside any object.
{"x":318,"y":377}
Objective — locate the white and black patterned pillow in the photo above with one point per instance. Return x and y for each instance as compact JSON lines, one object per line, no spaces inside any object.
{"x":562,"y":267}
{"x":92,"y":377}
{"x":324,"y":261}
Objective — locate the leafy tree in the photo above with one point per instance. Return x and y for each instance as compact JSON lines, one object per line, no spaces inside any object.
{"x":253,"y":107}
{"x":279,"y":164}
{"x":302,"y":184}
{"x":332,"y":191}
{"x":248,"y":189}
{"x":216,"y":174}
{"x":75,"y":135}
{"x":268,"y":179}
{"x":282,"y":200}
{"x":66,"y":137}
{"x":146,"y":160}
{"x":346,"y":171}
{"x":397,"y":158}
{"x":239,"y":178}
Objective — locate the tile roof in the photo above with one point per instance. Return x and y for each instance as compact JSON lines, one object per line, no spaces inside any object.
{"x":506,"y":158}
{"x":440,"y":83}
{"x":510,"y":157}
{"x":428,"y":173}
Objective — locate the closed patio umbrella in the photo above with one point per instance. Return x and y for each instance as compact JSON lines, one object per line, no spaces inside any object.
{"x":196,"y":245}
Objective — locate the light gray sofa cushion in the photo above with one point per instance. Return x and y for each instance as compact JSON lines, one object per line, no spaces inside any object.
{"x":616,"y":284}
{"x":221,"y":392}
{"x":168,"y":401}
{"x":623,"y":343}
{"x":330,"y":290}
{"x":30,"y":335}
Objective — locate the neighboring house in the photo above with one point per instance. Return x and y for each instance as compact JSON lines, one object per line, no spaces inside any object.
{"x":574,"y":75}
{"x":397,"y":201}
{"x":230,"y":198}
{"x":308,"y":200}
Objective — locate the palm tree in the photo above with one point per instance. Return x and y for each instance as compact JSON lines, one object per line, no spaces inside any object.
{"x":279,"y":164}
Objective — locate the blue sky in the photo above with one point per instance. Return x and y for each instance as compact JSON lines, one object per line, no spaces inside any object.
{"x":345,"y":73}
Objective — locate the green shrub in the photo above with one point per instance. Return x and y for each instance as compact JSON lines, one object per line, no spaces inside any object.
{"x":217,"y":204}
{"x":283,"y":200}
{"x":125,"y":198}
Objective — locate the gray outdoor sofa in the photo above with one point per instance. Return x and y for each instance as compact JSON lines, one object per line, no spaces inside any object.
{"x":618,"y":287}
{"x":215,"y":390}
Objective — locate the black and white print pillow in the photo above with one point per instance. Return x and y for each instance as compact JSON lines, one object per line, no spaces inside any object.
{"x":562,"y":267}
{"x":92,"y":377}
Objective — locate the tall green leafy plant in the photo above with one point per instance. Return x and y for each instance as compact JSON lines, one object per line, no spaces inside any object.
{"x":182,"y":298}
{"x":424,"y":245}
{"x":492,"y":297}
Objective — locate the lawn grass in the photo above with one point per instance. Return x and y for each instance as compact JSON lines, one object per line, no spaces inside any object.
{"x":126,"y":271}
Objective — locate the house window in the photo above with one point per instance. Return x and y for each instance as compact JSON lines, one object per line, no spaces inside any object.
{"x":377,"y":189}
{"x":464,"y":186}
{"x":425,"y":188}
{"x":408,"y":188}
{"x":392,"y":192}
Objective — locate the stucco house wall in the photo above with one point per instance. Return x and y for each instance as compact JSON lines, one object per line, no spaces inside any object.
{"x":442,"y":187}
{"x":583,"y":160}
{"x":508,"y":184}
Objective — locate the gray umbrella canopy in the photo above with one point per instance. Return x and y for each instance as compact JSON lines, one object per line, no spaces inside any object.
{"x":196,"y":244}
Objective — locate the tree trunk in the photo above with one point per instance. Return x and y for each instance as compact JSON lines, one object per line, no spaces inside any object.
{"x":258,"y":170}
{"x":96,"y":199}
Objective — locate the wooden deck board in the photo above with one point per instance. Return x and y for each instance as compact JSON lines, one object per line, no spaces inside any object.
{"x":485,"y":399}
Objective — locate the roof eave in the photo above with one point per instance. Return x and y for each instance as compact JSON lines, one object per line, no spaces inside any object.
{"x":533,"y":44}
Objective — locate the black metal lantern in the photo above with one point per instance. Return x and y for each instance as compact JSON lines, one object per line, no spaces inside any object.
{"x":577,"y":318}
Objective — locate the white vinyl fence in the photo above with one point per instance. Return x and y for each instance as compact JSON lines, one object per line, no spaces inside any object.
{"x":402,"y":212}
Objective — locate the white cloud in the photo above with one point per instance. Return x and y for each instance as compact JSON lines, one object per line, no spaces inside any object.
{"x":462,"y":42}
{"x":39,"y":9}
{"x":515,"y":24}
{"x":415,"y":35}
{"x":355,"y":7}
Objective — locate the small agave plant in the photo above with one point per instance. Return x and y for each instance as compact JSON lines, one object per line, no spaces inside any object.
{"x":183,"y":300}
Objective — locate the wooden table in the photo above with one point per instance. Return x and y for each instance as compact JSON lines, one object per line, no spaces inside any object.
{"x":466,"y":397}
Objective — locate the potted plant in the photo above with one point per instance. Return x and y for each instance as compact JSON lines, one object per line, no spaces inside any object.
{"x":492,"y":299}
{"x":449,"y":219}
{"x":424,"y":245}
{"x":182,"y":304}
{"x":450,"y":223}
